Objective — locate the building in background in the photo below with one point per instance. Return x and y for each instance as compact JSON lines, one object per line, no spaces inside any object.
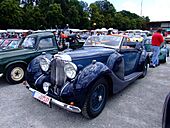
{"x":154,"y":25}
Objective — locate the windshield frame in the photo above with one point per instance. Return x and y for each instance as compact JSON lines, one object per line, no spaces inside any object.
{"x":24,"y":40}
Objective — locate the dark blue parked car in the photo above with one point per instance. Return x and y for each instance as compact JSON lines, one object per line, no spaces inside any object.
{"x":80,"y":80}
{"x":166,"y":113}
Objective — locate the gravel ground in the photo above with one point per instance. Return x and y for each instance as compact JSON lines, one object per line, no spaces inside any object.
{"x":138,"y":106}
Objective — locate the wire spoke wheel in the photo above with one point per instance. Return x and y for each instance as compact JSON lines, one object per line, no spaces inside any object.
{"x":95,"y":99}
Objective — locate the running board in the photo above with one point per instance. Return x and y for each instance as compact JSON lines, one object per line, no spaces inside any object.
{"x":132,"y":76}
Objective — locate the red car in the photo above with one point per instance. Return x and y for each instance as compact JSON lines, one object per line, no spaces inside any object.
{"x":7,"y":42}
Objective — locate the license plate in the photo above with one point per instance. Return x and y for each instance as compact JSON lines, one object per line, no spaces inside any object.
{"x":43,"y":98}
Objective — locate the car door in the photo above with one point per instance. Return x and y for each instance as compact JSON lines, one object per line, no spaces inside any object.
{"x":131,"y":57}
{"x":48,"y":45}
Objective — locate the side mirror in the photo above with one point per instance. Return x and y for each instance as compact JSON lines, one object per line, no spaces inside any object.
{"x":166,"y":113}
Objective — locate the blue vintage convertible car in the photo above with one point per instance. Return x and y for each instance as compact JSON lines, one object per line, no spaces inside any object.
{"x":80,"y":80}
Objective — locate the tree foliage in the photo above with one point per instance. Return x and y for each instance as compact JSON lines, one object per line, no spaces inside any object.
{"x":78,"y":14}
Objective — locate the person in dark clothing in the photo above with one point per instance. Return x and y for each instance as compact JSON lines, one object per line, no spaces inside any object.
{"x":109,"y":32}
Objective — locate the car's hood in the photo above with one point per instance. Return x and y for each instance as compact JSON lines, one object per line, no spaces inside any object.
{"x":14,"y":52}
{"x":85,"y":55}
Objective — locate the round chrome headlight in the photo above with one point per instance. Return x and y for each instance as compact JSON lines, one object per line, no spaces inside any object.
{"x":44,"y":64}
{"x":70,"y":69}
{"x":46,"y":86}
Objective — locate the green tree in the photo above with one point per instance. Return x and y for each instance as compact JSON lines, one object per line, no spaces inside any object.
{"x":11,"y":14}
{"x":96,"y":17}
{"x":33,"y":18}
{"x":54,"y":15}
{"x":73,"y":17}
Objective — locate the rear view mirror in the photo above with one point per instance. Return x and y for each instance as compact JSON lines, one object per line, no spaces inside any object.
{"x":166,"y":113}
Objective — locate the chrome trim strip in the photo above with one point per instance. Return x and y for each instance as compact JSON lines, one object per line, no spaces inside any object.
{"x":63,"y":88}
{"x":1,"y":74}
{"x":38,"y":78}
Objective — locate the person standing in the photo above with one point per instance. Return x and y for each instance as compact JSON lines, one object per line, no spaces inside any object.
{"x":157,"y":39}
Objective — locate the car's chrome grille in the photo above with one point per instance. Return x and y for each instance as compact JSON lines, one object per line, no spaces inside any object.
{"x":58,"y":76}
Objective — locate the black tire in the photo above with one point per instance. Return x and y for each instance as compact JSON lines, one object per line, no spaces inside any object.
{"x":168,"y":54}
{"x":164,"y":60}
{"x":145,"y":69}
{"x":91,"y":110}
{"x":15,"y":73}
{"x":166,"y":113}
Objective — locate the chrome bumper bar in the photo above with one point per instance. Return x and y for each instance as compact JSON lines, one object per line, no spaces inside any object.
{"x":1,"y":74}
{"x":59,"y":103}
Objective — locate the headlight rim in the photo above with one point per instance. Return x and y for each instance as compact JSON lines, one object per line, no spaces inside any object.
{"x":48,"y":64}
{"x":74,"y":69}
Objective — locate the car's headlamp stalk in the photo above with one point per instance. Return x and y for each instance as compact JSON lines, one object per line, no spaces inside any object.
{"x":46,"y":86}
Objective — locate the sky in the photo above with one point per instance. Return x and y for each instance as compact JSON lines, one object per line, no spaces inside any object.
{"x":157,"y":10}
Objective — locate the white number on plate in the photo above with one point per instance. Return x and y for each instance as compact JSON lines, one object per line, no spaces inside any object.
{"x":43,"y":98}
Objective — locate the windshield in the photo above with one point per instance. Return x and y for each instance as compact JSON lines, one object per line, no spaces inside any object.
{"x":107,"y":41}
{"x":5,"y":43}
{"x":1,"y":41}
{"x":28,"y":42}
{"x":137,"y":36}
{"x":148,"y":41}
{"x":14,"y":44}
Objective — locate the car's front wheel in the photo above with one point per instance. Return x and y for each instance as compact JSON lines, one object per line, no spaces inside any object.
{"x":96,"y":99}
{"x":15,"y":74}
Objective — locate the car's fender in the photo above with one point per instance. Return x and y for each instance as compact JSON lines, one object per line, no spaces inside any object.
{"x":16,"y":62}
{"x":90,"y":73}
{"x":115,"y":62}
{"x":86,"y":78}
{"x":33,"y":70}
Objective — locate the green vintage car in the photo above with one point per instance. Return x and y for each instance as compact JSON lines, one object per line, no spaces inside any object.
{"x":164,"y":50}
{"x":13,"y":62}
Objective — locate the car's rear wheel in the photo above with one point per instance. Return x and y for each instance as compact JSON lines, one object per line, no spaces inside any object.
{"x":164,"y":60}
{"x":168,"y":53}
{"x":96,"y":99}
{"x":15,"y":74}
{"x":145,"y":69}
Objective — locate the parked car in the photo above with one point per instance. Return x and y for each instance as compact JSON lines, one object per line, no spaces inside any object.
{"x":1,"y":41}
{"x":5,"y":43}
{"x":166,"y":113}
{"x":14,"y":43}
{"x":164,"y":50}
{"x":80,"y":80}
{"x":167,"y":38}
{"x":11,"y":43}
{"x":13,"y":62}
{"x":137,"y":38}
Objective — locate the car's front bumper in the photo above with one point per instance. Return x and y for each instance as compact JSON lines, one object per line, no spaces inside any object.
{"x":68,"y":107}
